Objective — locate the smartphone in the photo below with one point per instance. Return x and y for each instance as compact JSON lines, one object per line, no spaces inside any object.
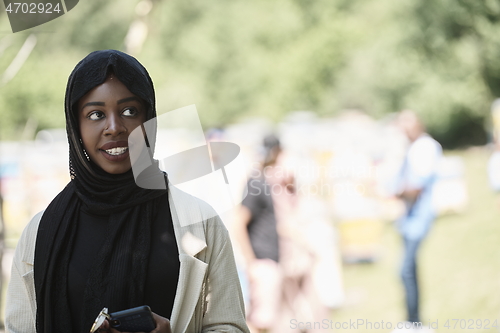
{"x":139,"y":319}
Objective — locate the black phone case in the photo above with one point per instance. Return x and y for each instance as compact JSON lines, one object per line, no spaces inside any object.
{"x":139,"y":319}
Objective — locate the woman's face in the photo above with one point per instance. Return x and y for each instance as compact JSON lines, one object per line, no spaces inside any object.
{"x":108,"y":114}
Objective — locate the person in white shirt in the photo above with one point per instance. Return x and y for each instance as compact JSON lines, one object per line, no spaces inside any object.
{"x":417,"y":177}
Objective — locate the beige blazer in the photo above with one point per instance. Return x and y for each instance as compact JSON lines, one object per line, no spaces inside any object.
{"x":208,"y":297}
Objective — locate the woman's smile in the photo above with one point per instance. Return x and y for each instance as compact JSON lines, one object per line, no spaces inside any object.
{"x":115,"y":151}
{"x":108,"y":114}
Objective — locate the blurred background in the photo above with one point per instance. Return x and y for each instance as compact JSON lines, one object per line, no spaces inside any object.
{"x":327,"y":78}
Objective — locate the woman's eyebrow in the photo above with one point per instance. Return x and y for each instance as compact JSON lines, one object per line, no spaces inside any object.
{"x":93,"y":104}
{"x":128,"y":99}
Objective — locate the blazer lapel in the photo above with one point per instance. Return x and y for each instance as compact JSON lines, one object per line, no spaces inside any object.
{"x":191,"y":275}
{"x":190,"y":242}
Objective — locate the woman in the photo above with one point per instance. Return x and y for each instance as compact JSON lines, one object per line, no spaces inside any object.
{"x":104,"y":241}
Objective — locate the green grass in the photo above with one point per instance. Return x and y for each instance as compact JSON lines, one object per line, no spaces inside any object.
{"x":459,"y":266}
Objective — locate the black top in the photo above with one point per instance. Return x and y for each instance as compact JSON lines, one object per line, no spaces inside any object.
{"x":163,"y":263}
{"x":262,"y":226}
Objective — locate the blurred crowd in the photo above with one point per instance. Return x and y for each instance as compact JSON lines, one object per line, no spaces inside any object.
{"x":320,"y":192}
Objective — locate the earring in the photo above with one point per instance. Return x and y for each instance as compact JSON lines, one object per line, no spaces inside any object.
{"x":86,"y":155}
{"x":84,"y":151}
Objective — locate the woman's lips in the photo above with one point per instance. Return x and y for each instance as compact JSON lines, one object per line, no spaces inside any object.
{"x":114,"y":144}
{"x":115,"y":158}
{"x":115,"y":151}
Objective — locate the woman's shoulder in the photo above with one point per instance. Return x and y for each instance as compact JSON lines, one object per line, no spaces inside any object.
{"x":190,"y":209}
{"x":25,"y":250}
{"x":195,"y":217}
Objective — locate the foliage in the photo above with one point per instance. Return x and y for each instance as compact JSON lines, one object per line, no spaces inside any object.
{"x":237,"y":59}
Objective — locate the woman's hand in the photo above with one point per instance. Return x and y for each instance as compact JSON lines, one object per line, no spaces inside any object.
{"x":162,"y":326}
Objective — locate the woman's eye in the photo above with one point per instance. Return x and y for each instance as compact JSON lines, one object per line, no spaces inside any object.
{"x":95,"y":115}
{"x":130,"y":112}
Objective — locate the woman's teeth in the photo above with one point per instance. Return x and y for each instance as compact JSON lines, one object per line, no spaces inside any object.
{"x":116,"y":151}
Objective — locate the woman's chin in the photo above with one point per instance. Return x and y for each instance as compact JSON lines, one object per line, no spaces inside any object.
{"x":115,"y":169}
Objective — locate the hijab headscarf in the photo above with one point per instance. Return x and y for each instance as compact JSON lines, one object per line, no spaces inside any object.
{"x":118,"y":275}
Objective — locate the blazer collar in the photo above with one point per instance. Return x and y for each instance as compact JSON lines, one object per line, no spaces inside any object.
{"x":187,"y":218}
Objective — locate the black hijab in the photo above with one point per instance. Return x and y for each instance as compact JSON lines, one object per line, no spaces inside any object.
{"x":118,"y":276}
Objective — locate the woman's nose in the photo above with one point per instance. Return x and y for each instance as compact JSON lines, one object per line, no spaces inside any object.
{"x":114,"y":126}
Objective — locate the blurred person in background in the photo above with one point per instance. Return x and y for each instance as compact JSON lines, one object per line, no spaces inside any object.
{"x":304,"y":248}
{"x":417,"y":177}
{"x":280,"y":261}
{"x":257,"y":236}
